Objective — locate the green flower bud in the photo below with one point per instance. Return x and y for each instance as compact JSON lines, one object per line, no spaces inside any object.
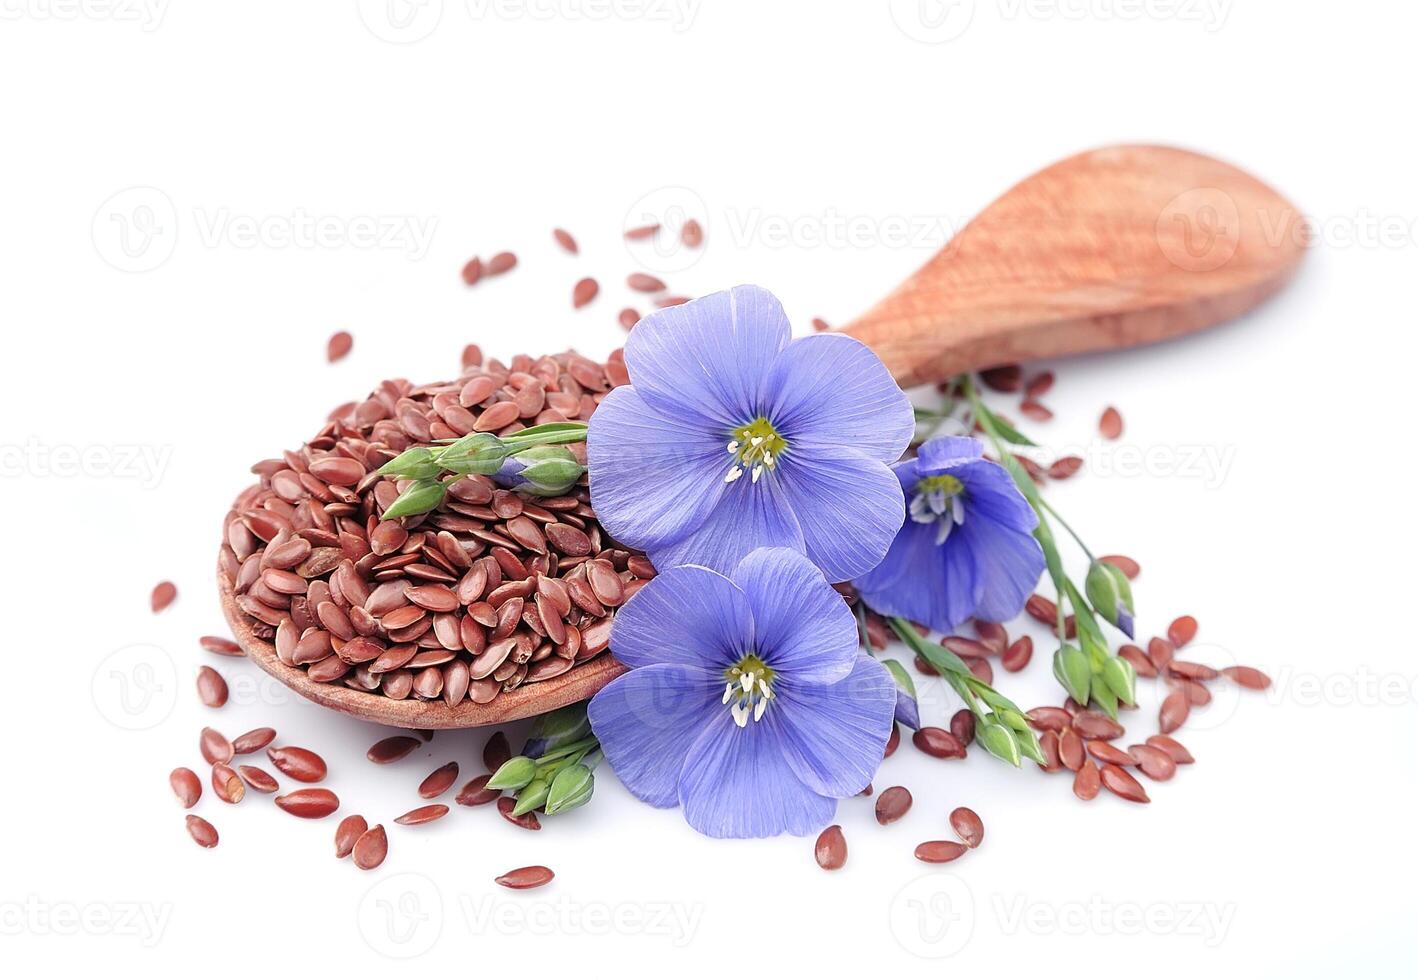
{"x":557,"y":728}
{"x":547,"y":471}
{"x":1111,"y":595}
{"x":1120,"y":678}
{"x":412,"y":464}
{"x":1073,"y":670}
{"x":533,"y":795}
{"x":421,"y":497}
{"x":999,"y":741}
{"x":477,"y":452}
{"x":1103,"y":695}
{"x":1029,"y":746}
{"x":515,"y":773}
{"x":571,"y":788}
{"x":1013,"y":719}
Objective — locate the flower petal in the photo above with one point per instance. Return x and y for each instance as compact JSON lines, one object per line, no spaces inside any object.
{"x":919,"y":581}
{"x":685,"y":615}
{"x":737,"y":782}
{"x":835,"y":734}
{"x":648,"y":719}
{"x":655,"y":476}
{"x":944,"y":453}
{"x":749,"y":515}
{"x":1008,"y":564}
{"x":992,"y":492}
{"x":801,"y":626}
{"x":710,"y":355}
{"x":832,"y":389}
{"x":848,"y":506}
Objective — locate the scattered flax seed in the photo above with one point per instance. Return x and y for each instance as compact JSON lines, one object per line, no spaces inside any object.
{"x":584,"y":291}
{"x":500,"y":263}
{"x":473,"y":271}
{"x":820,"y":325}
{"x":643,"y":282}
{"x":564,"y":239}
{"x":1039,"y":384}
{"x":1007,"y":378}
{"x":629,"y":317}
{"x":530,"y":877}
{"x":1123,"y":564}
{"x":692,"y":234}
{"x":1062,"y":469}
{"x":163,"y":595}
{"x":666,"y":301}
{"x":1110,"y":425}
{"x":338,"y":346}
{"x":831,"y":848}
{"x":1036,"y":411}
{"x":644,"y":231}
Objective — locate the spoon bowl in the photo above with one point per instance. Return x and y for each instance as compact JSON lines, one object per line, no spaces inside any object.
{"x":1112,"y":248}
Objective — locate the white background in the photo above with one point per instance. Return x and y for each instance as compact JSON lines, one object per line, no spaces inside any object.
{"x":1285,"y":852}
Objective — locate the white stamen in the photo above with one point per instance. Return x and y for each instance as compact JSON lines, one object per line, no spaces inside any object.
{"x":728,"y":692}
{"x":957,"y":509}
{"x":740,"y":713}
{"x":942,"y":531}
{"x":767,"y":458}
{"x":755,"y":440}
{"x":757,"y":472}
{"x":747,"y":681}
{"x":763,"y":686}
{"x":733,"y":445}
{"x":758,"y":710}
{"x":733,"y":474}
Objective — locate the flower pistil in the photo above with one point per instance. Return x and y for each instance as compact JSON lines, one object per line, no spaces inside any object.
{"x":748,"y":688}
{"x":754,"y":446}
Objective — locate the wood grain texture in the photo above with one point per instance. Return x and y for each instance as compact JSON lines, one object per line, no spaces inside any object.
{"x":1112,"y":248}
{"x":575,"y":685}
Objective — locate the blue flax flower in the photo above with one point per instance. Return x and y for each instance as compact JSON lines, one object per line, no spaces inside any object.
{"x":748,"y":703}
{"x":732,"y":436}
{"x":967,"y":549}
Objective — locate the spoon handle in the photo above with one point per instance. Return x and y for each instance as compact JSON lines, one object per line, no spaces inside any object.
{"x":1112,"y":248}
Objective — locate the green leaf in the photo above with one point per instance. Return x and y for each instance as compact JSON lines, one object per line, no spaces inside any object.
{"x":902,"y":678}
{"x":1002,"y":428}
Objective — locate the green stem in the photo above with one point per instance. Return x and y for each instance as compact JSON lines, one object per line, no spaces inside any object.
{"x":1063,"y":523}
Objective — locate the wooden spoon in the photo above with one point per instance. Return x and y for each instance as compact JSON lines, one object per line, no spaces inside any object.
{"x":1112,"y":248}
